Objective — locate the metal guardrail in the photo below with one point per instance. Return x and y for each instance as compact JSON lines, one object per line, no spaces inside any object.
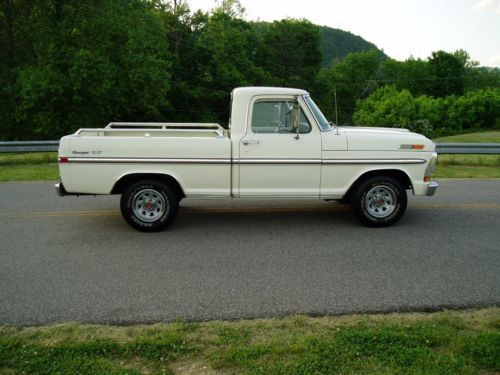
{"x":441,"y":148}
{"x":468,"y":148}
{"x":29,"y":146}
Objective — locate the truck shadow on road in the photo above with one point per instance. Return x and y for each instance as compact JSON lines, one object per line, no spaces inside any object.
{"x":193,"y":223}
{"x":278,"y":222}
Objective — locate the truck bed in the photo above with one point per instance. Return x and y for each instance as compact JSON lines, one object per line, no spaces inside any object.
{"x":94,"y":159}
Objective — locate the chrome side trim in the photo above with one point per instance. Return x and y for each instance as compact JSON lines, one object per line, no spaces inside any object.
{"x":149,"y":160}
{"x":277,"y":161}
{"x":373,"y":161}
{"x":243,"y":161}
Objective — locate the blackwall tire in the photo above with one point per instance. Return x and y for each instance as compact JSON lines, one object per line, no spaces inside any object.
{"x":149,"y":206}
{"x":379,"y":201}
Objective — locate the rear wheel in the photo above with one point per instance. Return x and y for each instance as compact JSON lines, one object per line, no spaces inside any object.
{"x":379,"y":201}
{"x":149,"y":206}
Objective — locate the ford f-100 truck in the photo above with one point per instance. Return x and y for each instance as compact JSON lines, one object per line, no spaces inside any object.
{"x":278,"y":145}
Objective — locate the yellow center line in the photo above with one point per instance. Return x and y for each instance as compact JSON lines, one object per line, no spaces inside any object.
{"x":243,"y":210}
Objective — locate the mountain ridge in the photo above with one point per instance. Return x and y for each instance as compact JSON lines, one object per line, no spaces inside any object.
{"x":337,"y":43}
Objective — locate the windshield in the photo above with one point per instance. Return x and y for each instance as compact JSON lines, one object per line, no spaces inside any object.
{"x":322,"y":121}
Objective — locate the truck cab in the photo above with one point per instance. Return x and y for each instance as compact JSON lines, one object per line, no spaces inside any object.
{"x":277,"y":143}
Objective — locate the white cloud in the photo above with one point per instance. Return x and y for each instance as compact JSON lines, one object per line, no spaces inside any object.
{"x":487,"y":6}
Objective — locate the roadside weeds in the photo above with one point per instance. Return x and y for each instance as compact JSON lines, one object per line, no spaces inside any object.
{"x":432,"y":343}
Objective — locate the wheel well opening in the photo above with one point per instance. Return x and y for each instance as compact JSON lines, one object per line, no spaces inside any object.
{"x":123,"y":183}
{"x":396,"y":174}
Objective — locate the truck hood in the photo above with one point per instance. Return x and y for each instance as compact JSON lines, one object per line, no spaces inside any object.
{"x":384,"y":139}
{"x":375,"y":139}
{"x":371,"y":130}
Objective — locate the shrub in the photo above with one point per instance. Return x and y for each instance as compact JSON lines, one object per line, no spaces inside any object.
{"x":430,"y":116}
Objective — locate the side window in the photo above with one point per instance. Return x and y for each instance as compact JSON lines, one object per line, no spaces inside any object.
{"x":276,"y":117}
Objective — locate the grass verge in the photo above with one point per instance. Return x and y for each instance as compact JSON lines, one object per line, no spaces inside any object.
{"x":479,"y":137}
{"x":465,"y":171}
{"x":28,"y":167}
{"x":433,"y":343}
{"x":29,"y":172}
{"x":468,"y":166}
{"x":28,"y":158}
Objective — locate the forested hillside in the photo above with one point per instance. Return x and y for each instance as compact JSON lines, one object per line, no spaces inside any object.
{"x":67,"y":64}
{"x":337,"y":44}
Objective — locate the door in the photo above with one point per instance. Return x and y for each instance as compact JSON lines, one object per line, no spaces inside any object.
{"x":276,"y":159}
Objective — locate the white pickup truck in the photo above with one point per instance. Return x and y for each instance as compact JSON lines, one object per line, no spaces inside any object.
{"x":279,"y":145}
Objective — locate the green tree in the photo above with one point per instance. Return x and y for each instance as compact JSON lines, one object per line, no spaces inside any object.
{"x":387,"y":107}
{"x":66,"y":64}
{"x":92,"y":63}
{"x":233,"y":47}
{"x":447,"y":72}
{"x":186,"y":98}
{"x":475,"y":76}
{"x":481,"y":78}
{"x":476,"y":110}
{"x":353,"y":78}
{"x":412,"y":74}
{"x":291,"y":52}
{"x":465,"y":60}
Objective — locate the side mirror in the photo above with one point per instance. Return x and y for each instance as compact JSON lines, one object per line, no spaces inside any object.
{"x":296,"y":119}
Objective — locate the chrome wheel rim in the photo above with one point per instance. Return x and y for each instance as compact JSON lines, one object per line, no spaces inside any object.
{"x":148,"y":205}
{"x":381,"y":201}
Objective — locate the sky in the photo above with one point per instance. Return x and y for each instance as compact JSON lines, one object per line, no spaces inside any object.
{"x":402,"y":28}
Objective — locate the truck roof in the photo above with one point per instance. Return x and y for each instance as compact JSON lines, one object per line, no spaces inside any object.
{"x":251,"y":91}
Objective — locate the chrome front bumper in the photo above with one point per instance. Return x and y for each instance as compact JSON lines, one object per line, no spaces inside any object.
{"x":431,"y":189}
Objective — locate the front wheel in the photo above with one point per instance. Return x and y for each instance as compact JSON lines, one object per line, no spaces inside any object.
{"x":379,"y":201}
{"x":149,"y":206}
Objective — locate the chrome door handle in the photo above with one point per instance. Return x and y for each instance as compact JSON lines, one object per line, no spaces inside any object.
{"x":247,"y":142}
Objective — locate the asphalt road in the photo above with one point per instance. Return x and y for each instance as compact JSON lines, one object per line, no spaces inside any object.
{"x":75,"y":259}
